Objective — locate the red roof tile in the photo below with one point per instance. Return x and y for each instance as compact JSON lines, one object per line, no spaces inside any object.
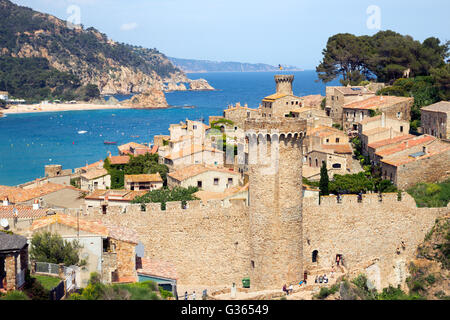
{"x":157,"y":268}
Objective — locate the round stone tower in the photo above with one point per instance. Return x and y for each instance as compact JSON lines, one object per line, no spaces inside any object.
{"x":284,"y":83}
{"x":275,"y":201}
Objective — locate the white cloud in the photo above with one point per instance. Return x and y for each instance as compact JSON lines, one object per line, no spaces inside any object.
{"x":128,"y":26}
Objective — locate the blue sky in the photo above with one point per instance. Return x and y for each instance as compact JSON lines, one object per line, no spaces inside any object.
{"x":267,"y":31}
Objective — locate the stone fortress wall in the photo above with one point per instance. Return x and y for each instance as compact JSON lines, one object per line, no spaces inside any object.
{"x":210,"y":244}
{"x":207,"y":243}
{"x":366,"y":234}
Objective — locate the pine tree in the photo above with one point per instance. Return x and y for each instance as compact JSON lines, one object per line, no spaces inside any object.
{"x":324,"y":180}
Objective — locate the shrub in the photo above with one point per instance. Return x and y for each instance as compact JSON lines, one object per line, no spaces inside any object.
{"x":15,"y":295}
{"x":48,"y":247}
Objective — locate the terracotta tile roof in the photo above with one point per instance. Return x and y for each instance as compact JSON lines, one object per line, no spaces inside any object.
{"x":143,"y":178}
{"x":377,"y":102}
{"x":96,"y":227}
{"x":196,"y":169}
{"x":116,"y":195}
{"x":406,"y":145}
{"x":370,"y":119}
{"x":127,"y":146}
{"x":434,"y":148}
{"x":312,"y":100}
{"x":94,"y":174}
{"x":355,"y":90}
{"x":190,"y":150}
{"x":119,"y":159}
{"x":323,"y":131}
{"x":338,"y":148}
{"x":276,"y":96}
{"x":121,"y":233}
{"x":98,"y":164}
{"x":23,"y":212}
{"x":387,"y":142}
{"x":443,"y":106}
{"x":154,"y":149}
{"x":209,"y":195}
{"x":142,"y":151}
{"x":16,"y":194}
{"x":375,"y":131}
{"x":73,"y":222}
{"x":157,"y":268}
{"x":128,"y":279}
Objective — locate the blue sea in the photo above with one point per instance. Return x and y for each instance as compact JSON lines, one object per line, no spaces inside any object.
{"x":30,"y":141}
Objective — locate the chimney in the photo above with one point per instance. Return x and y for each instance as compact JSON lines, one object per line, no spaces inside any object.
{"x":36,"y":204}
{"x":424,"y":149}
{"x":6,"y":202}
{"x":383,"y":120}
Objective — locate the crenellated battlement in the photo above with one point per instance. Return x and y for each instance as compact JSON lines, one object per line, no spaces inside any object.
{"x":235,"y":206}
{"x":370,"y":199}
{"x":284,"y":126}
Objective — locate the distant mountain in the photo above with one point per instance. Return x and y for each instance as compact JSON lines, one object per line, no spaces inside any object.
{"x":86,"y":53}
{"x":189,"y":65}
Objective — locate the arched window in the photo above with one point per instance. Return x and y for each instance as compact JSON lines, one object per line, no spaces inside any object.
{"x":336,"y":165}
{"x":315,"y":255}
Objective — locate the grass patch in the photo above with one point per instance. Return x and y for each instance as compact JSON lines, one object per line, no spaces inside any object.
{"x":47,"y":282}
{"x":431,"y":195}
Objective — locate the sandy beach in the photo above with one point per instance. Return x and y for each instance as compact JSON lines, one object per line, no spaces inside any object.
{"x":24,"y":108}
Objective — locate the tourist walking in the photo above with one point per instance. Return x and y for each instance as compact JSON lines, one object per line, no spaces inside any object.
{"x":193,"y":296}
{"x":291,"y":288}
{"x":285,"y":290}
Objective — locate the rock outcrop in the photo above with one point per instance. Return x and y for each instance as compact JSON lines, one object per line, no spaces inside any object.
{"x":200,"y":85}
{"x":151,"y":99}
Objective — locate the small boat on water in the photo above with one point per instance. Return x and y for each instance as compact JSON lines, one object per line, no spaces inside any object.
{"x":82,"y":132}
{"x":110,"y":142}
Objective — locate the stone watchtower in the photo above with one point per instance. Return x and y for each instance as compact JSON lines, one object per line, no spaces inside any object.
{"x":275,"y":200}
{"x":284,"y":84}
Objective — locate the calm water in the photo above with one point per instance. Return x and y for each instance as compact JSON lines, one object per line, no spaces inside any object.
{"x":30,"y":141}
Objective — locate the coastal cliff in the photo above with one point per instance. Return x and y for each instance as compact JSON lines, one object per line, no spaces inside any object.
{"x":88,"y":54}
{"x":200,"y":84}
{"x":151,"y":99}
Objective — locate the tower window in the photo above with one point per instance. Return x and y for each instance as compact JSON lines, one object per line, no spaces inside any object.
{"x":315,"y":255}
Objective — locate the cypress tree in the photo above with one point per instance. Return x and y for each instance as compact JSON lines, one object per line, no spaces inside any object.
{"x":324,"y":181}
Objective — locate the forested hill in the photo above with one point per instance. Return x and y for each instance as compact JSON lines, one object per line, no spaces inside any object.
{"x":89,"y":54}
{"x":189,"y":65}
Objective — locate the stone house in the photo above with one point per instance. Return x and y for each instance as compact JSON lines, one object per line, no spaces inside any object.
{"x":13,"y":261}
{"x":379,"y":146}
{"x":143,"y":182}
{"x":226,"y":197}
{"x":104,"y":198}
{"x":194,"y":154}
{"x":283,"y":101}
{"x":238,"y":114}
{"x":337,"y":97}
{"x":161,"y":272}
{"x":336,"y":164}
{"x":106,"y":248}
{"x":435,"y":120}
{"x":379,"y":128}
{"x":314,"y":117}
{"x":324,"y":136}
{"x":423,"y":162}
{"x":95,"y":179}
{"x":45,"y":195}
{"x":206,"y":178}
{"x":20,"y":217}
{"x":393,"y":107}
{"x":398,"y":146}
{"x":135,"y":149}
